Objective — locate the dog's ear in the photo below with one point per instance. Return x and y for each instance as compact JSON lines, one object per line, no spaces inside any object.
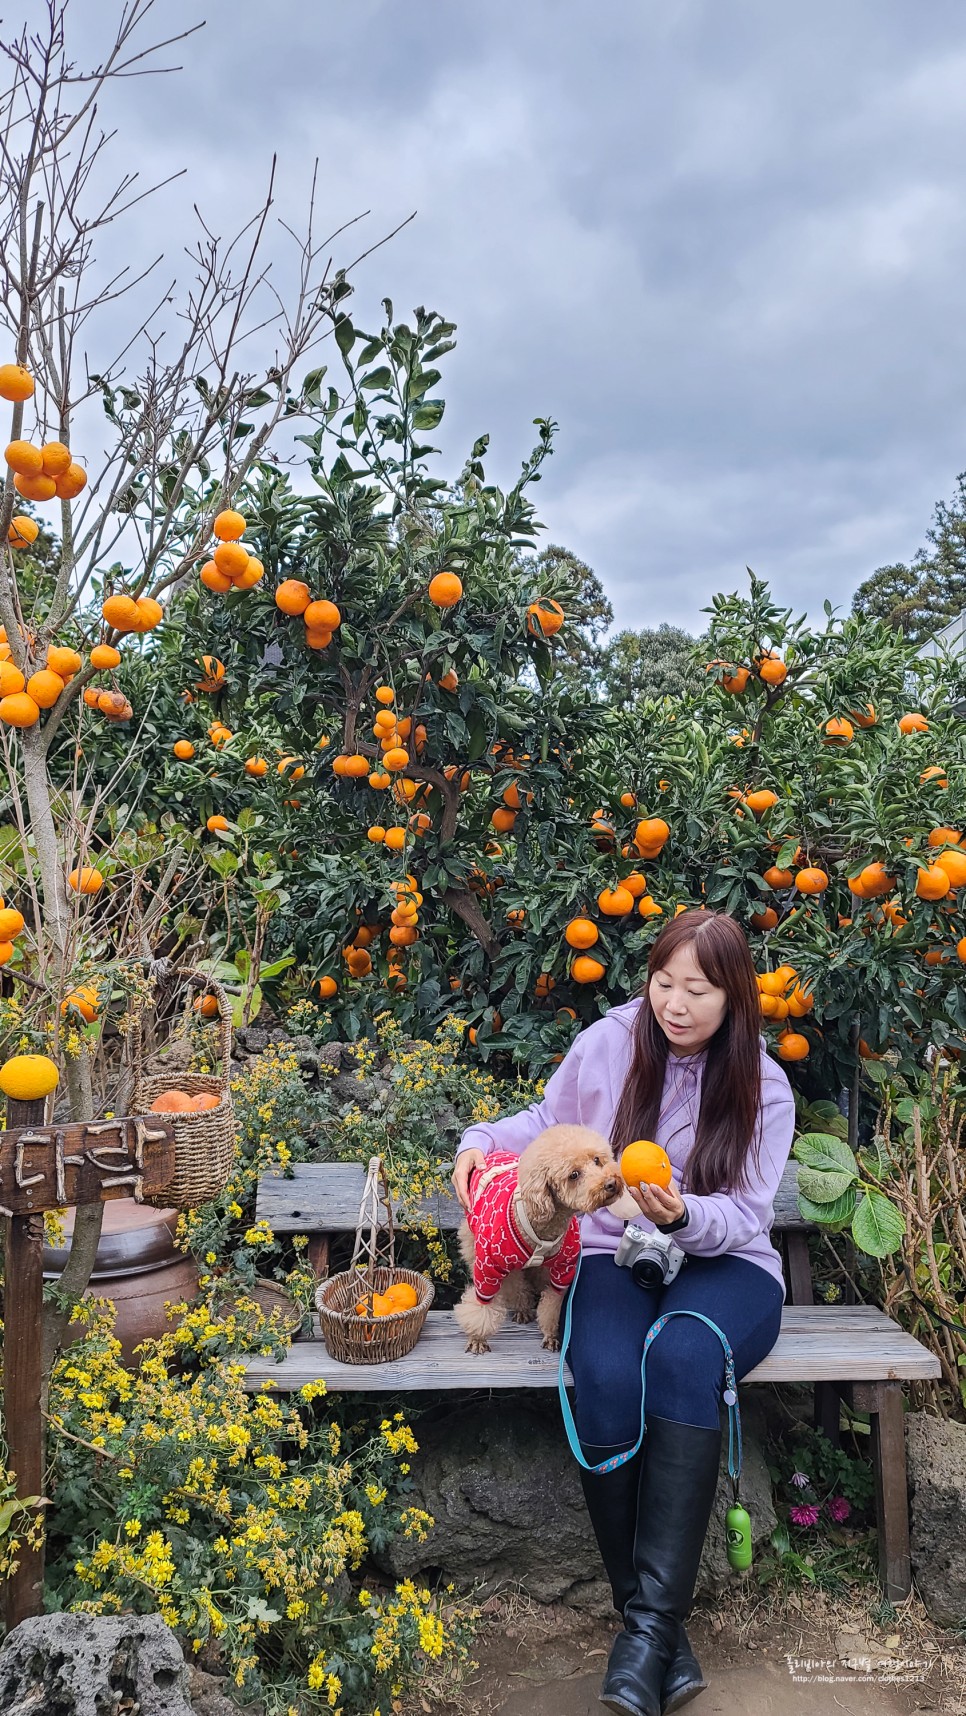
{"x":533,"y":1181}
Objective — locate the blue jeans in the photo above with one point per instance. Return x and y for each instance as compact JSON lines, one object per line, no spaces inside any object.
{"x":685,"y":1363}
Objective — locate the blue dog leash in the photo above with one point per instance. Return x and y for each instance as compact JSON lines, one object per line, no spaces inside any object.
{"x":729,"y":1396}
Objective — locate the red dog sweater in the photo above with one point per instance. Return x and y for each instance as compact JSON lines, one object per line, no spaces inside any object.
{"x":495,"y":1226}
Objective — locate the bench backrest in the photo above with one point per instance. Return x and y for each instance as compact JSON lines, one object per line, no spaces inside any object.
{"x":324,"y":1197}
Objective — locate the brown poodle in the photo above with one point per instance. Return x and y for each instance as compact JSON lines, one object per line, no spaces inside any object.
{"x":566,"y":1172}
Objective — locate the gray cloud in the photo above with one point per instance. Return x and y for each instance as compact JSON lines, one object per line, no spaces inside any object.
{"x":720,"y":241}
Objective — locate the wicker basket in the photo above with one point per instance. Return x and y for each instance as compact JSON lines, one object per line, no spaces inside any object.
{"x":356,"y":1339}
{"x":204,"y":1143}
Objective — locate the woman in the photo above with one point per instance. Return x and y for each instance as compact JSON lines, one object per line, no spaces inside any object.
{"x":684,"y":1063}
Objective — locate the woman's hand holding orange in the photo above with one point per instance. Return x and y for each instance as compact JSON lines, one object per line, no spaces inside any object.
{"x":661,"y":1204}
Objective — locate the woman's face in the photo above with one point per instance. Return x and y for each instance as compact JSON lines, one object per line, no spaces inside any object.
{"x":687,"y":1007}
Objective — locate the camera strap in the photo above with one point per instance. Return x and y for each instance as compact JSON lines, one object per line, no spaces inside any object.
{"x":729,"y":1395}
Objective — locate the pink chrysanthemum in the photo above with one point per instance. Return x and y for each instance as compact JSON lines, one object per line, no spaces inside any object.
{"x":800,"y":1480}
{"x":839,"y":1509}
{"x":807,"y":1514}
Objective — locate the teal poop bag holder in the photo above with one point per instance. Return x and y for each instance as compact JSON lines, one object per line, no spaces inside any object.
{"x":737,"y":1522}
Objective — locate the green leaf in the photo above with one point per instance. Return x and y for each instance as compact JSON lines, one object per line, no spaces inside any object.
{"x":377,"y":378}
{"x":837,"y":1214}
{"x":824,"y":1151}
{"x":427,"y":415}
{"x":824,"y":1188}
{"x":877,"y":1226}
{"x":345,"y":335}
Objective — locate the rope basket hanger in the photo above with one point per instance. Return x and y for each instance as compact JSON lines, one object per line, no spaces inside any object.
{"x":354,"y":1328}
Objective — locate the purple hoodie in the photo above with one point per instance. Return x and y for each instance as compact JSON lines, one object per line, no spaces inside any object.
{"x":585,"y":1089}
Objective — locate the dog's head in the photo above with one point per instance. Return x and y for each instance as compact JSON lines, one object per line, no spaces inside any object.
{"x":567,"y":1168}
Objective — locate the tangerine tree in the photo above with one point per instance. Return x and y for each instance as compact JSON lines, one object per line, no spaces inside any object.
{"x":120,"y":472}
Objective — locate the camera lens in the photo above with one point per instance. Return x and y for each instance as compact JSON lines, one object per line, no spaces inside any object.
{"x":648,"y":1272}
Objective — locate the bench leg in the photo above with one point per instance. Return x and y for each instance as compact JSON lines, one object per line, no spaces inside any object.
{"x":884,"y":1403}
{"x":319,"y":1255}
{"x":826,"y":1412}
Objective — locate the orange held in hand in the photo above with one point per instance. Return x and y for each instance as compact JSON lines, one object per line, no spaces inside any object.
{"x":644,"y":1163}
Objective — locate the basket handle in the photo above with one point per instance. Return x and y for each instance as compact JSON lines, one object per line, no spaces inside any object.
{"x":369,"y":1227}
{"x":195,"y":980}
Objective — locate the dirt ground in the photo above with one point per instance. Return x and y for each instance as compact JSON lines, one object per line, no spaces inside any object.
{"x":787,"y":1657}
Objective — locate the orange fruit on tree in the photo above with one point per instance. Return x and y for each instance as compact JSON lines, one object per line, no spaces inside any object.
{"x":216,"y":824}
{"x":874,"y":880}
{"x":649,"y":908}
{"x":615,"y":902}
{"x":838,"y":731}
{"x":385,"y":694}
{"x":207,"y":1006}
{"x":322,"y":616}
{"x":16,"y":383}
{"x":219,"y":734}
{"x":445,"y":590}
{"x":86,"y":880}
{"x":84,"y":999}
{"x":395,"y":839}
{"x":213,"y":674}
{"x":768,"y":1004}
{"x":650,"y":835}
{"x":792,"y":1046}
{"x":64,"y":661}
{"x":586,"y":970}
{"x":772,"y":982}
{"x":628,"y":800}
{"x":961,"y":950}
{"x":865,"y":717}
{"x":800,"y":1002}
{"x":376,"y":834}
{"x":736,"y":682}
{"x":932,"y":883}
{"x":231,"y":559}
{"x":936,"y":774}
{"x":502,"y":820}
{"x":581,"y":933}
{"x":543,"y":985}
{"x":213,"y":579}
{"x":253,"y":574}
{"x":11,"y":923}
{"x":913,"y":723}
{"x":183,"y":749}
{"x":56,"y":458}
{"x":316,"y":639}
{"x":172,"y":1102}
{"x":19,"y":710}
{"x":403,"y":935}
{"x":325,"y":988}
{"x":544,"y":618}
{"x":761,"y":800}
{"x":150,"y":614}
{"x":644,"y":1163}
{"x":11,"y":679}
{"x":72,"y":482}
{"x":22,"y":531}
{"x":25,"y":459}
{"x":379,"y":781}
{"x":256,"y":766}
{"x":35,"y":488}
{"x":292,"y":596}
{"x":45,"y":688}
{"x":953,"y":861}
{"x":449,"y":681}
{"x":114,"y":704}
{"x":121,"y":612}
{"x":91,"y":696}
{"x":943,"y":837}
{"x":771,"y":669}
{"x":777,"y":878}
{"x":635,"y":883}
{"x":291,"y":767}
{"x":396,"y":758}
{"x":229,"y":526}
{"x":811,"y":880}
{"x":766,"y":920}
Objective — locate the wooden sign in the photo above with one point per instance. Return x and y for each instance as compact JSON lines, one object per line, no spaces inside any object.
{"x":87,"y":1162}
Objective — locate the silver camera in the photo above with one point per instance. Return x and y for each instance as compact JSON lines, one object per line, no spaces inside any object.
{"x":652,"y":1258}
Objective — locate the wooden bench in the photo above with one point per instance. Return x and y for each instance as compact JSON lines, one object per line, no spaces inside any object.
{"x":850,"y":1351}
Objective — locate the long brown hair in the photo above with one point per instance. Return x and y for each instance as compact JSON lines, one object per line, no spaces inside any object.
{"x":731,"y":1086}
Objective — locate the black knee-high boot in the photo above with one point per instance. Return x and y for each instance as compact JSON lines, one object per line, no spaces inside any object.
{"x":612,"y":1500}
{"x":676,"y":1495}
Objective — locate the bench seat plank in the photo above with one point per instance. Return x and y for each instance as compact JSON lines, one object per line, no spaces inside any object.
{"x":831,"y":1343}
{"x":324,"y":1197}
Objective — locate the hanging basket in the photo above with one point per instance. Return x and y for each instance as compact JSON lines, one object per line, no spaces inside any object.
{"x":367,"y":1339}
{"x":204,"y":1142}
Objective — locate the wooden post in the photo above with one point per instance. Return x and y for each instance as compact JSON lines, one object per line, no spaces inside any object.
{"x":22,"y":1378}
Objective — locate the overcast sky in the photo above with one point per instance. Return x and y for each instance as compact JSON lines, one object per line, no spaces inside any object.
{"x":722,"y":242}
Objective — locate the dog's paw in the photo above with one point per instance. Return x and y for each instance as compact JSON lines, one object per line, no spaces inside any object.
{"x":478,"y":1345}
{"x":551,"y":1343}
{"x":524,"y":1314}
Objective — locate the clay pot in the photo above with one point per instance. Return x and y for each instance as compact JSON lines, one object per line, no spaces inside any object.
{"x":137,"y":1266}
